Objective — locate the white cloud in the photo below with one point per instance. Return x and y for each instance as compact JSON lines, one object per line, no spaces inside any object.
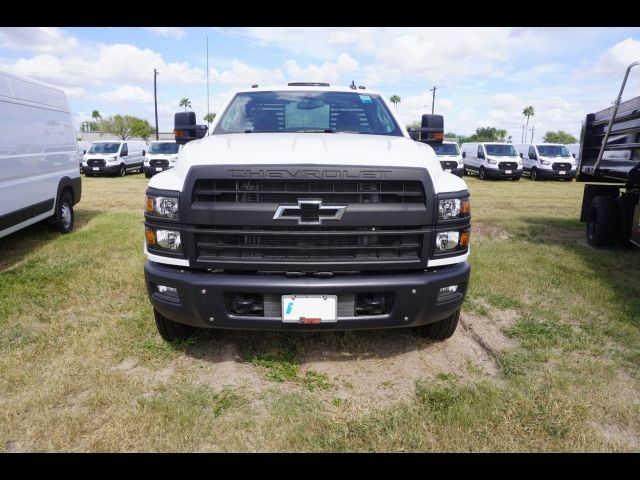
{"x":126,"y":94}
{"x":174,"y":32}
{"x":616,"y":59}
{"x":243,"y":75}
{"x":327,"y":72}
{"x":49,"y":40}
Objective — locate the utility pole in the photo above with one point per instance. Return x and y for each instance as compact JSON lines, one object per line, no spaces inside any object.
{"x":433,"y":101}
{"x":523,"y":134}
{"x":208,"y":122}
{"x":155,"y":99}
{"x":533,"y":127}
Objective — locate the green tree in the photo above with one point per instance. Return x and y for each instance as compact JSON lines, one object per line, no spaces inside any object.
{"x":96,"y":115}
{"x":559,"y":137}
{"x":209,"y":117}
{"x":488,"y":134}
{"x":395,"y":99}
{"x":416,"y":124}
{"x":184,"y":102}
{"x":528,"y":112}
{"x":126,"y":126}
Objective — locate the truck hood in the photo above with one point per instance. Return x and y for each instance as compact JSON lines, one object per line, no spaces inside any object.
{"x":306,"y":149}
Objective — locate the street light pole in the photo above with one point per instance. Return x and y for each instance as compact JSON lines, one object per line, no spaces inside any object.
{"x":155,"y":99}
{"x":433,"y":101}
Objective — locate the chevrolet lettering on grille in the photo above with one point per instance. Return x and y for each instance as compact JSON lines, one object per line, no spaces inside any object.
{"x":309,"y":212}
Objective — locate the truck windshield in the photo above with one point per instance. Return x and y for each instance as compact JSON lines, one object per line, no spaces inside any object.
{"x":446,"y":149}
{"x":553,"y":150}
{"x":104,"y":148}
{"x":505,"y":150}
{"x":308,"y":112}
{"x":163,"y":148}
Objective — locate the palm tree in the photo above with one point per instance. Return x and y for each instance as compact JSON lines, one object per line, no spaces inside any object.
{"x":184,"y":102}
{"x":395,"y":99}
{"x":96,"y":115}
{"x":529,"y":111}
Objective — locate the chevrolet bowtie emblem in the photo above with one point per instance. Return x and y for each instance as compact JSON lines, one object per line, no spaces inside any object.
{"x":309,"y":212}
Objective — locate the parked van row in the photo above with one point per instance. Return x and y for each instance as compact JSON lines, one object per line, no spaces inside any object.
{"x":119,"y":157}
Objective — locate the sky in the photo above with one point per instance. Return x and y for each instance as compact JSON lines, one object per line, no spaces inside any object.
{"x":485,"y":77}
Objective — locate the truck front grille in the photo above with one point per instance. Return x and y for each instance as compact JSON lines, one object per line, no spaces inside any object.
{"x":507,"y":165}
{"x":331,"y":192}
{"x":448,"y":164}
{"x":330,"y":244}
{"x":96,"y":162}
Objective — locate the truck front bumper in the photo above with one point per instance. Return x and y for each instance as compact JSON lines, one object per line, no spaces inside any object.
{"x":549,"y":173}
{"x":109,"y":169}
{"x":502,"y":173}
{"x":201,"y":296}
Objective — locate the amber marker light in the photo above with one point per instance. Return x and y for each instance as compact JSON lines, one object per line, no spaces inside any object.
{"x":151,"y":236}
{"x":464,"y":239}
{"x":466,"y":206}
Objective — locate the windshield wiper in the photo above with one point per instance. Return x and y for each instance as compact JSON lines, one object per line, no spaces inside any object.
{"x":316,"y":130}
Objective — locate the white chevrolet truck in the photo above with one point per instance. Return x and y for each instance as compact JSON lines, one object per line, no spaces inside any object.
{"x":307,"y":207}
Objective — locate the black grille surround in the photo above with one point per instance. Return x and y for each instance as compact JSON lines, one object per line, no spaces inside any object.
{"x":159,"y":163}
{"x":370,"y":236}
{"x":561,"y":166}
{"x":96,"y":162}
{"x":449,"y":164}
{"x":508,"y":166}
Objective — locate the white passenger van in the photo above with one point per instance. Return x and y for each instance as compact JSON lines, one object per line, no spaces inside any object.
{"x":115,"y":157}
{"x":39,"y":175}
{"x":491,"y":160}
{"x":547,"y":160}
{"x":450,"y":157}
{"x":161,"y":155}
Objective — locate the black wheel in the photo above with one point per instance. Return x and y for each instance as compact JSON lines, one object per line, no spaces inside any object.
{"x":440,"y":330}
{"x":170,"y":330}
{"x":534,"y":174}
{"x":63,"y":218}
{"x":123,"y":171}
{"x":481,"y":173}
{"x":464,"y":172}
{"x":602,"y":221}
{"x":516,"y":179}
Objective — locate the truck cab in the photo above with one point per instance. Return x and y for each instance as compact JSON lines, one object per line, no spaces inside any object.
{"x":547,"y":160}
{"x":306,"y":207}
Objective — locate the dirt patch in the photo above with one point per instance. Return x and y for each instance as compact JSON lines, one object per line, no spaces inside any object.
{"x":150,"y":377}
{"x":481,"y":230}
{"x":621,"y":437}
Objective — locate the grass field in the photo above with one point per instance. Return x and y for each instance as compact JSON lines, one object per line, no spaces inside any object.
{"x":545,"y":359}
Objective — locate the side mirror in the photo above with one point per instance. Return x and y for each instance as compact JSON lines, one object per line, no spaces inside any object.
{"x":522,"y":155}
{"x":144,"y":152}
{"x":535,"y":156}
{"x":432,"y":130}
{"x":573,"y":155}
{"x":464,"y":154}
{"x":185,"y":128}
{"x":414,"y":134}
{"x":480,"y":154}
{"x":84,"y":152}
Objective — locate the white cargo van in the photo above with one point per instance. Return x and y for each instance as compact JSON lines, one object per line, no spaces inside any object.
{"x":491,"y":160}
{"x":547,"y":160}
{"x":450,"y":157}
{"x":39,"y":175}
{"x":161,"y":155}
{"x":115,"y":157}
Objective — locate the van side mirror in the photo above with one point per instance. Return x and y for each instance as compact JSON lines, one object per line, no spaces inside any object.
{"x":573,"y":155}
{"x":84,"y":152}
{"x":480,"y":154}
{"x":185,"y":128}
{"x":522,"y":155}
{"x":144,"y":152}
{"x":464,"y":154}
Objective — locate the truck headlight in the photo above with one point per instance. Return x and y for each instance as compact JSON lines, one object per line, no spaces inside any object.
{"x":453,"y":208}
{"x":163,"y":239}
{"x":451,"y":241}
{"x":162,"y":206}
{"x":112,"y":159}
{"x":492,"y":161}
{"x":545,"y":162}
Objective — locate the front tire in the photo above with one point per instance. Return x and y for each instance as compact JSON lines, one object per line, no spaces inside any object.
{"x":481,"y":173}
{"x":123,"y":170}
{"x":64,"y":213}
{"x":172,"y":331}
{"x":534,"y":174}
{"x":148,"y":175}
{"x":440,"y":330}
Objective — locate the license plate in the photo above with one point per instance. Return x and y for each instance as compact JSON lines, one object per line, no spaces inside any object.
{"x":507,"y":172}
{"x":158,"y":169}
{"x":562,"y":172}
{"x":96,"y":168}
{"x":309,"y":309}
